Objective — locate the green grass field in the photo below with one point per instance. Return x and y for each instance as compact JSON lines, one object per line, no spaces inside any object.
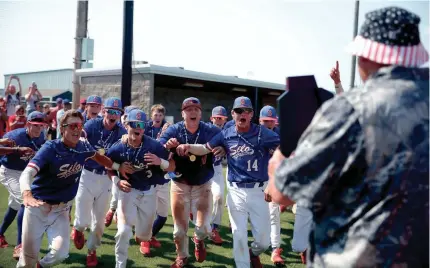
{"x":218,"y":256}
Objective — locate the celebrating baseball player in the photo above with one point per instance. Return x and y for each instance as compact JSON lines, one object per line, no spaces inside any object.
{"x":94,"y":190}
{"x":12,"y":165}
{"x":93,"y":108}
{"x":111,"y":214}
{"x":218,"y":119}
{"x":268,"y":119}
{"x":191,"y":188}
{"x":154,"y":130}
{"x":248,"y":148}
{"x":138,"y":199}
{"x":48,"y":185}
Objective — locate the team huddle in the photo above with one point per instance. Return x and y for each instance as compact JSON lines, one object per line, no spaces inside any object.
{"x":119,"y":156}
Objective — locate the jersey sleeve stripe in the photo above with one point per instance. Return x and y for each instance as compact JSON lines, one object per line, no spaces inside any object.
{"x":33,"y":165}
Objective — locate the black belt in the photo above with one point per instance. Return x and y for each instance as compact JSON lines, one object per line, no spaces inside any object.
{"x":246,"y":184}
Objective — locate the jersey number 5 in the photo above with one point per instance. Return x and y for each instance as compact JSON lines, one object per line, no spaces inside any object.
{"x":254,"y":165}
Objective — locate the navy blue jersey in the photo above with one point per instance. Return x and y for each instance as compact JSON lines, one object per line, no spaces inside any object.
{"x":190,"y":172}
{"x":229,"y":124}
{"x":86,"y":118}
{"x":152,"y":131}
{"x":58,"y":170}
{"x":145,"y":175}
{"x":248,"y":153}
{"x":15,"y":161}
{"x":277,"y":130}
{"x":101,"y":138}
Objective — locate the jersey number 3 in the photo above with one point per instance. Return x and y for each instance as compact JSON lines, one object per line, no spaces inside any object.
{"x":254,"y":165}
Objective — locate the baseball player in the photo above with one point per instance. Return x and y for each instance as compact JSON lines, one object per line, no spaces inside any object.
{"x":93,"y":108}
{"x":48,"y":185}
{"x":191,"y":188}
{"x":138,"y":199}
{"x":11,"y":183}
{"x":154,"y":130}
{"x":218,"y":119}
{"x":111,"y":215}
{"x":268,"y":119}
{"x":94,"y":190}
{"x":248,"y":148}
{"x":12,"y":166}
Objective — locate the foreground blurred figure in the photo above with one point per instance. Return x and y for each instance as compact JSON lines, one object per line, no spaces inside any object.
{"x":362,"y":166}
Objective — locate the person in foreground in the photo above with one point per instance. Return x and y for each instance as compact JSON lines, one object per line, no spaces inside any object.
{"x":138,"y":200}
{"x":362,"y":166}
{"x":48,"y":184}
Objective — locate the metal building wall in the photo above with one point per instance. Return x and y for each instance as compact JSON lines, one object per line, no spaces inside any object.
{"x":53,"y":79}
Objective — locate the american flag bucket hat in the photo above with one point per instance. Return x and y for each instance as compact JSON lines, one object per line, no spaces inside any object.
{"x":390,"y":36}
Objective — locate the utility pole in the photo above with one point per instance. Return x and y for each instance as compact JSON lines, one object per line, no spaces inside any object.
{"x":81,"y":32}
{"x":127,"y":53}
{"x":354,"y":58}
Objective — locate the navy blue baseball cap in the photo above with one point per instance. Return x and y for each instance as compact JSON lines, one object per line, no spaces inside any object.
{"x":59,"y":100}
{"x":219,"y":111}
{"x":130,"y":108}
{"x":190,"y":102}
{"x":93,"y":99}
{"x":36,"y":118}
{"x":113,"y":103}
{"x":268,"y":113}
{"x":136,"y":115}
{"x":66,"y":101}
{"x":242,"y":102}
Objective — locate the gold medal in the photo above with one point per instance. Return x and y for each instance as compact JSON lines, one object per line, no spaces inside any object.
{"x":101,"y":151}
{"x":192,"y":158}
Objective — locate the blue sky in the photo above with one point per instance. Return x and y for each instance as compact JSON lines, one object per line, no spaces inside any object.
{"x":260,"y":39}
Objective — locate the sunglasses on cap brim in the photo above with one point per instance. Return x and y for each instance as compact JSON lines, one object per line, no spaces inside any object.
{"x":135,"y":124}
{"x":113,"y":112}
{"x":242,"y":110}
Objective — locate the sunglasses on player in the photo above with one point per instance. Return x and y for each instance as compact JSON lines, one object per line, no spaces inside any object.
{"x":74,"y":126}
{"x":242,"y":110}
{"x":113,"y":112}
{"x":140,"y":125}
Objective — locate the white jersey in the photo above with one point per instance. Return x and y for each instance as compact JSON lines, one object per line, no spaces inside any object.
{"x":12,"y":102}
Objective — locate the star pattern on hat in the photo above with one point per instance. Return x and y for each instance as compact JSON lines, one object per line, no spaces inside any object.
{"x":392,"y":26}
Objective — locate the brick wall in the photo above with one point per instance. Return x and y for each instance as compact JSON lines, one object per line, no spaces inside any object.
{"x":110,"y":86}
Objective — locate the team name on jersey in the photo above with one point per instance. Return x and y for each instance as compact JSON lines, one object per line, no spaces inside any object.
{"x":67,"y":170}
{"x":143,"y":167}
{"x":237,"y":151}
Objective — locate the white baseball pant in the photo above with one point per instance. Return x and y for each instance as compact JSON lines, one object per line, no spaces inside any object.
{"x":163,"y":199}
{"x":54,"y":220}
{"x":218,"y":186}
{"x":198,"y":198}
{"x":302,"y":228}
{"x":91,"y":205}
{"x":275,"y":225}
{"x":244,"y":203}
{"x":114,"y":198}
{"x":10,"y":180}
{"x":134,"y":208}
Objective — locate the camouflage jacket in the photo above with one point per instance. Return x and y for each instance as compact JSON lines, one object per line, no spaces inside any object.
{"x":362,"y":167}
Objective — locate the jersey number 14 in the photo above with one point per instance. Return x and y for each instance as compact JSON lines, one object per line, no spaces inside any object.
{"x":254,"y":165}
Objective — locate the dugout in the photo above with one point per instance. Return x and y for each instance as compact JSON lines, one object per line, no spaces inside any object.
{"x":171,"y":85}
